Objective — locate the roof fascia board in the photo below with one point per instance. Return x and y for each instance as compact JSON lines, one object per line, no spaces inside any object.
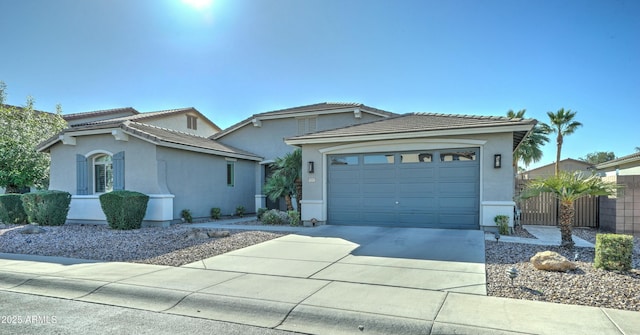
{"x":617,"y":162}
{"x":429,"y":133}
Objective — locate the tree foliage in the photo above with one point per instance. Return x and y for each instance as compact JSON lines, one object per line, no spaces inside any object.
{"x":567,"y":188}
{"x":21,"y":130}
{"x":562,"y":124}
{"x":598,"y":157}
{"x":530,"y":149}
{"x":286,"y":180}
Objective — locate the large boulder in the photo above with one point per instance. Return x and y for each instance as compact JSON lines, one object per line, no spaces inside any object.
{"x":552,"y":261}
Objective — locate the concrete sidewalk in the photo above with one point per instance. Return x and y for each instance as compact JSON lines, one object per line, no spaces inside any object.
{"x":315,"y":295}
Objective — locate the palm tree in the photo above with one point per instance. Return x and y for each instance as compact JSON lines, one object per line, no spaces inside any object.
{"x":286,"y":180}
{"x":567,"y":188}
{"x":529,"y":149}
{"x":562,"y":124}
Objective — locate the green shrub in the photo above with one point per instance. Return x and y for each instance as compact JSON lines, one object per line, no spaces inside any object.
{"x":11,"y":210}
{"x":240,"y":211}
{"x":186,"y":215}
{"x":260,"y":212}
{"x":124,"y":209}
{"x":47,"y":208}
{"x":613,"y":252}
{"x":215,"y":213}
{"x":275,"y":217}
{"x":294,"y":218}
{"x":502,"y":222}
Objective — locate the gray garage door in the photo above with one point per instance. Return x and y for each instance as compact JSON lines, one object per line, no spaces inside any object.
{"x":434,"y":188}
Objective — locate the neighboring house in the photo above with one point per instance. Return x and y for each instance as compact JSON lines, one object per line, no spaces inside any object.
{"x":567,"y":164}
{"x":361,"y":165}
{"x":624,"y":166}
{"x":419,"y":170}
{"x":164,"y":154}
{"x":264,"y":133}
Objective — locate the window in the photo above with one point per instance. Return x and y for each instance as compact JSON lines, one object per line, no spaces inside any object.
{"x":192,"y":122}
{"x":307,"y":125}
{"x":379,"y":159}
{"x":344,"y":160}
{"x":230,"y":174}
{"x":416,"y":157}
{"x":102,"y":174}
{"x":458,"y":156}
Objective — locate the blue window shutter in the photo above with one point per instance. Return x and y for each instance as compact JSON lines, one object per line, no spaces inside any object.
{"x":118,"y":171}
{"x":82,"y":180}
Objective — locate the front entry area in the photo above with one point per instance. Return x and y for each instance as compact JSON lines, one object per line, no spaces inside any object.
{"x":430,"y":188}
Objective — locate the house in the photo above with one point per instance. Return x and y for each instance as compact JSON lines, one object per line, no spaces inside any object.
{"x":362,"y":165}
{"x":164,"y":154}
{"x":417,"y":170}
{"x":624,"y":166}
{"x":567,"y":164}
{"x":264,"y":133}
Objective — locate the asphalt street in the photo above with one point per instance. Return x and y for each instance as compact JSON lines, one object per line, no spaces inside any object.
{"x":32,"y":314}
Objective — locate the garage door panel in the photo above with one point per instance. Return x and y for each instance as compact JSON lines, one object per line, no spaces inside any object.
{"x":457,"y":188}
{"x":417,"y":194}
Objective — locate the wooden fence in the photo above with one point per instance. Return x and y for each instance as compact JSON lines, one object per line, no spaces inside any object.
{"x":543,"y":210}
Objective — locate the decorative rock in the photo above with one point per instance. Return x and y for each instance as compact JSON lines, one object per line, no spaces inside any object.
{"x":551,"y":261}
{"x":32,"y":229}
{"x":218,"y":233}
{"x":2,"y":226}
{"x":196,"y":234}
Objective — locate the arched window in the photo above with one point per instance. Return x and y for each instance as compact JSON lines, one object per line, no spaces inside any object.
{"x":102,"y":174}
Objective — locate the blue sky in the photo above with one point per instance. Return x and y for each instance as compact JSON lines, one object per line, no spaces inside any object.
{"x":233,"y":58}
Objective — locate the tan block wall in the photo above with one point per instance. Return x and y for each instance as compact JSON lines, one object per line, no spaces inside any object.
{"x":621,"y":214}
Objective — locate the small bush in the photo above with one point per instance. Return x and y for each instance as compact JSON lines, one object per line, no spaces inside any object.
{"x":240,"y":211}
{"x":47,"y":208}
{"x":502,"y":222}
{"x":260,"y":212}
{"x":275,"y":217}
{"x":186,"y":215}
{"x":215,"y":213}
{"x":613,"y":252}
{"x":294,"y":218}
{"x":11,"y":210}
{"x":124,"y":209}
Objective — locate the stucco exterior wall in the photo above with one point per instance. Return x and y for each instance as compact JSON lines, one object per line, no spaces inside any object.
{"x":550,"y":170}
{"x":268,"y":140}
{"x":199,"y":182}
{"x":179,"y":122}
{"x":140,"y":162}
{"x":496,"y":184}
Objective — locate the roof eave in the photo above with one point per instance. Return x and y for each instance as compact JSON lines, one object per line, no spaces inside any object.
{"x":412,"y":134}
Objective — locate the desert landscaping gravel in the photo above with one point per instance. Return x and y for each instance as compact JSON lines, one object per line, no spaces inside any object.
{"x":174,"y":246}
{"x":181,"y":244}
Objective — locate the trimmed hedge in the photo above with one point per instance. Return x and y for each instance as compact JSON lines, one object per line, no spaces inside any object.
{"x":613,"y":252}
{"x":11,"y":210}
{"x":124,"y":209}
{"x":47,"y":208}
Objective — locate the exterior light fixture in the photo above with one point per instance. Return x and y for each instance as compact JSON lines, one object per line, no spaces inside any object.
{"x":497,"y":236}
{"x":310,"y":167}
{"x":497,"y":161}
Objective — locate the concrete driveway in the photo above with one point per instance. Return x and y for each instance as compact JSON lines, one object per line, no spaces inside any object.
{"x":431,"y":259}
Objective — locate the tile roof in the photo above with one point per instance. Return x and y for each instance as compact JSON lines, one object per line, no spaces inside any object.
{"x":420,"y":123}
{"x":147,"y":116}
{"x":75,"y":116}
{"x":159,"y":135}
{"x":319,"y":107}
